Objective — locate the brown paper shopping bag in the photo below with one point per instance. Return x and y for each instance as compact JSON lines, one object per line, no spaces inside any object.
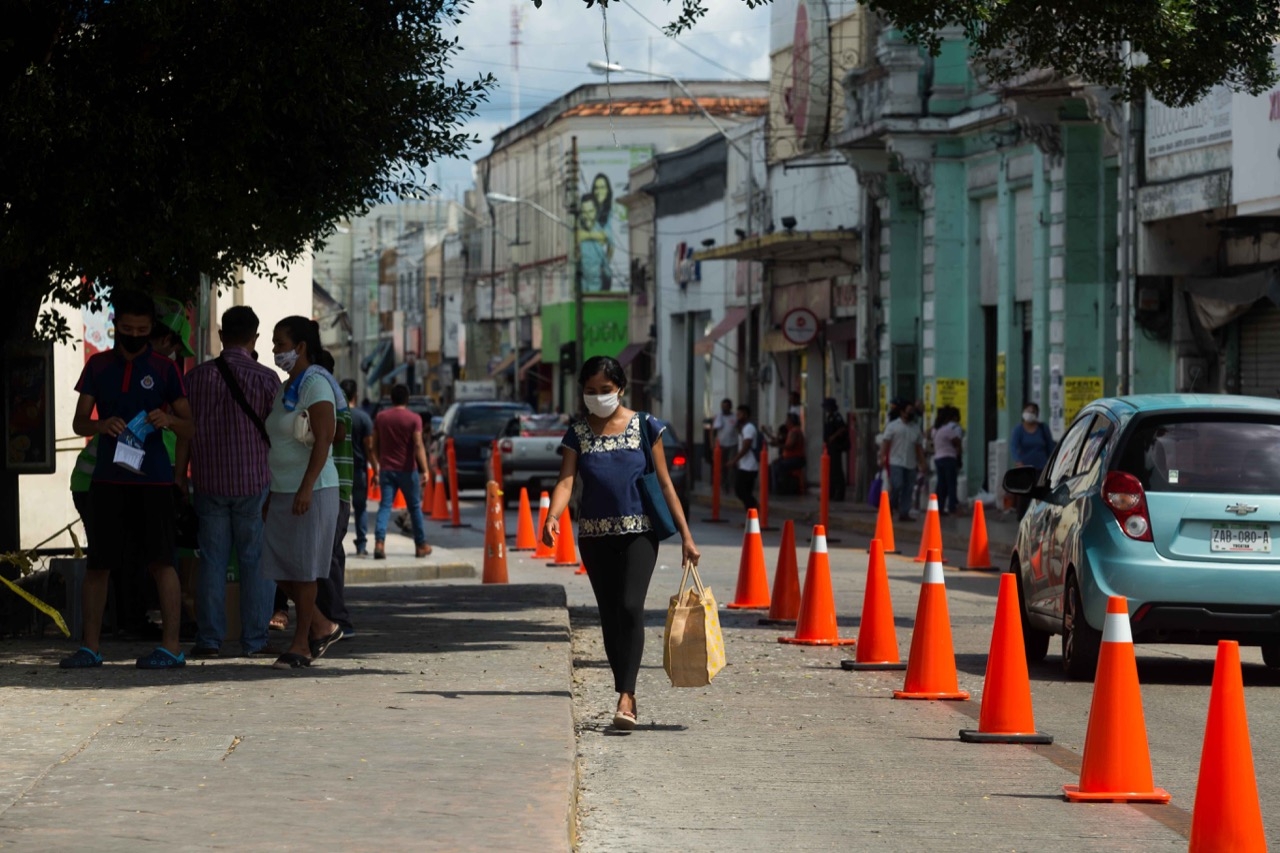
{"x":692,"y":645}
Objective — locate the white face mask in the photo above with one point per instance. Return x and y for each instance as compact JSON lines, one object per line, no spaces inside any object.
{"x":601,"y":405}
{"x":1030,"y":417}
{"x":287,"y":360}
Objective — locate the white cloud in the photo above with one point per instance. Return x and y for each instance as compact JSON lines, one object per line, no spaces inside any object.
{"x":558,"y":40}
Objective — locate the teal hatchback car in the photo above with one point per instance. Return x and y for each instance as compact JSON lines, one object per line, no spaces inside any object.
{"x":1171,"y":500}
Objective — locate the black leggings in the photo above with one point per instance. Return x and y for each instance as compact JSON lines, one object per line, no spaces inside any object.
{"x":619,"y":568}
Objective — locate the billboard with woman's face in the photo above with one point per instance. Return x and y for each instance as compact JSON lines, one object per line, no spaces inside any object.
{"x":601,"y":230}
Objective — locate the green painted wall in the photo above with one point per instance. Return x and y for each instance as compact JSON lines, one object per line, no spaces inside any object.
{"x":604,"y":326}
{"x":905,"y":230}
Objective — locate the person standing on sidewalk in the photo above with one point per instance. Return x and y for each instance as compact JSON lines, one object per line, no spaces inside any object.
{"x":397,"y":449}
{"x":137,"y":394}
{"x":231,"y":398}
{"x":301,"y":512}
{"x":1031,"y":444}
{"x":615,"y":536}
{"x":746,"y":460}
{"x":331,"y":599}
{"x":725,"y":427}
{"x":902,"y":452}
{"x":361,"y":441}
{"x":835,"y":435}
{"x":948,"y":438}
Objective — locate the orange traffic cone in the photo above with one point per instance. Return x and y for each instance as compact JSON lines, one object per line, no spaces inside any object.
{"x":931,"y":667}
{"x":525,"y":538}
{"x":884,"y":525}
{"x":931,"y":539}
{"x":427,"y":494}
{"x":375,"y":488}
{"x":566,"y":551}
{"x":495,"y":537}
{"x":541,"y":550}
{"x":877,"y":638}
{"x":399,"y":503}
{"x":582,"y":568}
{"x":1117,"y":764}
{"x":439,"y":507}
{"x":784,"y":606}
{"x":979,"y":558}
{"x":1006,"y":715}
{"x":753,"y":581}
{"x":1227,"y":815}
{"x":817,"y":623}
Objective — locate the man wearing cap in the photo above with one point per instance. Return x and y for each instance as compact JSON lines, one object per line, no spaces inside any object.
{"x":835,"y":434}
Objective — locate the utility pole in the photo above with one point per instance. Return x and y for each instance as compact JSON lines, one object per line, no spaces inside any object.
{"x":581,"y":343}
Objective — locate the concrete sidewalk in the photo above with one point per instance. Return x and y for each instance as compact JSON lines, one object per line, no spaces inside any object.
{"x":855,"y":516}
{"x":446,"y":724}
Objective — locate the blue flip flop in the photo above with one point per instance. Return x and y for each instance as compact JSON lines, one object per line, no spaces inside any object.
{"x":83,"y":658}
{"x":162,"y":658}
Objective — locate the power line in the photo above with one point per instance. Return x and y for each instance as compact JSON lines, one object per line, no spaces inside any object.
{"x":701,"y":56}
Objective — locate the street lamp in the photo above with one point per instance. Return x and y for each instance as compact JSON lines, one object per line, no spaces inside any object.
{"x":503,"y":198}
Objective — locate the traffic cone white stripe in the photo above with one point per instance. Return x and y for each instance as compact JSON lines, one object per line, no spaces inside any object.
{"x":820,"y":544}
{"x":544,"y":502}
{"x":933,"y":504}
{"x":753,"y":525}
{"x":1116,"y":628}
{"x":933,"y":573}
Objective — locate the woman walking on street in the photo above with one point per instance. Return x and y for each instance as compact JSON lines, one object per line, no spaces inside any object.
{"x":615,"y":536}
{"x":302,"y":505}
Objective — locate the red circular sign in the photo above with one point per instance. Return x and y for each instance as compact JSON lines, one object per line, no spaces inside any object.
{"x":800,"y":326}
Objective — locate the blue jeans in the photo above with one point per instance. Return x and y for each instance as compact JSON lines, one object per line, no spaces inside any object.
{"x":902,"y":482}
{"x":226,"y":523}
{"x":410,"y":486}
{"x":359,"y":502}
{"x":948,"y":473}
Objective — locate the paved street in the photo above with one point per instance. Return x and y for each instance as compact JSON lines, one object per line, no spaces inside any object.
{"x":455,"y":706}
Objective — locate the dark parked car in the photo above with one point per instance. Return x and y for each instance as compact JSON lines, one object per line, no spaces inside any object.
{"x":677,"y":464}
{"x":473,"y":425}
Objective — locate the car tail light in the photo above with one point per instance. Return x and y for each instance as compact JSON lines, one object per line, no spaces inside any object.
{"x":506,"y":445}
{"x":678,"y":460}
{"x":1128,"y":503}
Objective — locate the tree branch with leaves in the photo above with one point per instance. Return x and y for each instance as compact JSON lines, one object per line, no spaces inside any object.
{"x":1176,"y":49}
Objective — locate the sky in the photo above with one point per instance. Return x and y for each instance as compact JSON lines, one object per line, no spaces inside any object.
{"x":558,"y":40}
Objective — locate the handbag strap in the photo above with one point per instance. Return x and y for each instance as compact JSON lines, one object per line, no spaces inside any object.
{"x":238,"y":395}
{"x":690,"y":568}
{"x":646,"y":442}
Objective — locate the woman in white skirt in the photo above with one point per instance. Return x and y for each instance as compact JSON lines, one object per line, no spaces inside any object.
{"x":302,"y":506}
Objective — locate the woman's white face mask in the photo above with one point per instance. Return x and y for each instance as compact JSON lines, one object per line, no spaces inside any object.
{"x":1030,"y":416}
{"x":601,"y":405}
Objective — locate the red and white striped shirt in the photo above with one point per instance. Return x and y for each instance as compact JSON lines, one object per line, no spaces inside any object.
{"x":228,"y":454}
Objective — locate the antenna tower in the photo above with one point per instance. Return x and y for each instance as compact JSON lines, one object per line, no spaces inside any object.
{"x":517,"y":24}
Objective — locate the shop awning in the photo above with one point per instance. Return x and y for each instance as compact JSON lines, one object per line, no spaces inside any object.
{"x":788,"y":247}
{"x":733,"y":317}
{"x":775,"y":341}
{"x":503,"y":365}
{"x":630,"y":352}
{"x":532,"y":360}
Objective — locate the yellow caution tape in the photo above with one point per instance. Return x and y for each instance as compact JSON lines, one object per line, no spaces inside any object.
{"x":51,"y":612}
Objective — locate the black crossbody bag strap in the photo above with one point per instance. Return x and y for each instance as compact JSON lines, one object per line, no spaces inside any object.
{"x":238,"y":396}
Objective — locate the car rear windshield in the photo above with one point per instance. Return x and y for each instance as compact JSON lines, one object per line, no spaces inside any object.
{"x":483,"y":421}
{"x":1232,"y":456}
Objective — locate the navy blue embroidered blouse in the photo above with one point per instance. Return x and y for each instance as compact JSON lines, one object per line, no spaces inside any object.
{"x":610,"y":467}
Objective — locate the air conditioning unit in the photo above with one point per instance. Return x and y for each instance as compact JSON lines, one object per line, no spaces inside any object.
{"x":857,"y":382}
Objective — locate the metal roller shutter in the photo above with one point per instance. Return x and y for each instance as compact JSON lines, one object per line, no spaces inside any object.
{"x":1260,"y":351}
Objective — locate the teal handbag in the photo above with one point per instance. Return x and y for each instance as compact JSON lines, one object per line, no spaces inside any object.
{"x":655,"y":502}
